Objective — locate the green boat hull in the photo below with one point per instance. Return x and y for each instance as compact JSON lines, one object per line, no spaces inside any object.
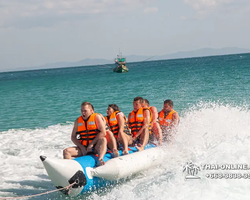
{"x":120,"y":69}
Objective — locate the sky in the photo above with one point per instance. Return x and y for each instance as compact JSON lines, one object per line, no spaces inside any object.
{"x":36,"y":32}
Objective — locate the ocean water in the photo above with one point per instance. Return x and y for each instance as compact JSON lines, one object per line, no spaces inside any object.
{"x":211,"y":95}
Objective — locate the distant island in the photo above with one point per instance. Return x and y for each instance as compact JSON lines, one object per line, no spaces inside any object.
{"x":137,"y":58}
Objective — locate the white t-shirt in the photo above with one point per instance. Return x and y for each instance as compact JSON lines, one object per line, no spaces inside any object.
{"x":120,"y":113}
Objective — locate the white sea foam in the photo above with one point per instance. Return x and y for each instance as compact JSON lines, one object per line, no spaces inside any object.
{"x":208,"y":133}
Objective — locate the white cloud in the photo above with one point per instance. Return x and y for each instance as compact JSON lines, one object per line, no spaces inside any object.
{"x":30,"y":13}
{"x":206,"y":4}
{"x":205,"y":8}
{"x":150,"y":10}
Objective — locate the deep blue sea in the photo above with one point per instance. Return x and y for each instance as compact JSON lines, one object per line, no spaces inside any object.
{"x":211,"y":95}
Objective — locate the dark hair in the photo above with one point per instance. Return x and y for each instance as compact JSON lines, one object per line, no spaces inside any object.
{"x":87,"y":104}
{"x":138,"y":99}
{"x":169,"y":102}
{"x":146,"y":101}
{"x":114,"y":107}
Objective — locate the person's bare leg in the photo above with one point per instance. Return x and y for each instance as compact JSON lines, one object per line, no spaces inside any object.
{"x":70,"y":152}
{"x":144,"y":138}
{"x":112,"y":143}
{"x":101,"y":148}
{"x":158,"y":132}
{"x":125,"y":140}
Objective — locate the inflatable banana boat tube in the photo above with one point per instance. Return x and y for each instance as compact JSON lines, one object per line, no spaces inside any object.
{"x":82,"y":171}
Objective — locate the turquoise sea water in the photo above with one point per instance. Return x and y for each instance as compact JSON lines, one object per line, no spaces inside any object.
{"x":211,"y":94}
{"x":31,"y":99}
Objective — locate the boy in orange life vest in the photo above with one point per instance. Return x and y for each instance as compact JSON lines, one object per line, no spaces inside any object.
{"x":168,"y":117}
{"x":118,"y":124}
{"x":139,"y":121}
{"x":156,"y":129}
{"x":88,"y":133}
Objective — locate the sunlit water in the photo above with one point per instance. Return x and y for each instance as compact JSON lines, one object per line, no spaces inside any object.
{"x":212,"y":100}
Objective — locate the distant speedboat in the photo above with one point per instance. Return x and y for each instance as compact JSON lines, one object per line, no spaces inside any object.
{"x":120,"y":64}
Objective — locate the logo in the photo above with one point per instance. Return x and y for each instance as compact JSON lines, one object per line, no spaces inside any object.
{"x":78,"y":137}
{"x":112,"y":119}
{"x":191,"y":170}
{"x":91,"y":123}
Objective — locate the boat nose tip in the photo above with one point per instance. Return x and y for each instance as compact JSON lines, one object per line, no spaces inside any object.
{"x":43,"y":158}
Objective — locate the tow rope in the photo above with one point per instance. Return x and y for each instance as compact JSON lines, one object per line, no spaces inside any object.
{"x":35,"y":195}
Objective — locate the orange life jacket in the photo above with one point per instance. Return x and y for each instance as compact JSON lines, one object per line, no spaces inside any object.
{"x":87,"y":130}
{"x":114,"y":123}
{"x":165,"y":122}
{"x":136,"y":121}
{"x":151,"y":118}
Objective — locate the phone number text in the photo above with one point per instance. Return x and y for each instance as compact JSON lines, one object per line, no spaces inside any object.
{"x":228,"y":175}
